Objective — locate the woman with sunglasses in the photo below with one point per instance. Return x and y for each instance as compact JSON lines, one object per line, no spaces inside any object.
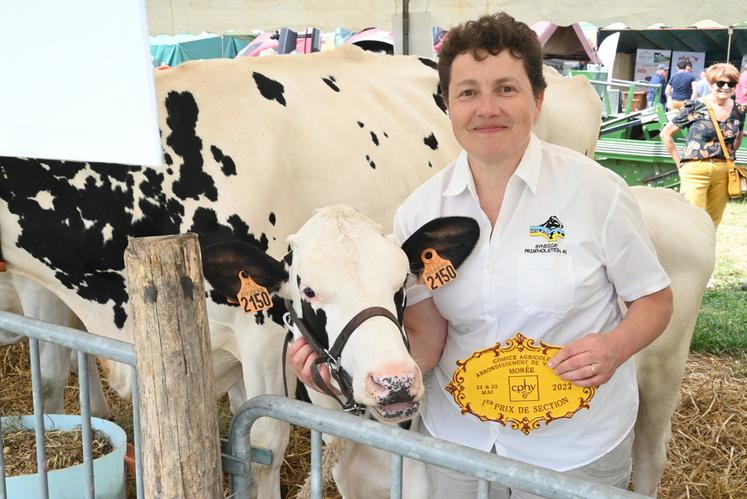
{"x":702,"y":165}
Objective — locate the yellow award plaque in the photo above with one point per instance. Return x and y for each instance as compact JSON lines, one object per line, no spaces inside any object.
{"x":514,"y":385}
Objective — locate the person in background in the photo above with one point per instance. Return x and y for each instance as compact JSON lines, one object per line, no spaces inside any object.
{"x":741,"y":90}
{"x":702,"y":165}
{"x":680,"y":87}
{"x":508,"y":180}
{"x":659,"y":78}
{"x":701,"y":87}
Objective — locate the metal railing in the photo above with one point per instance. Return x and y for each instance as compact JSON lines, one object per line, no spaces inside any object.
{"x":85,"y":344}
{"x":238,"y":452}
{"x":401,"y":443}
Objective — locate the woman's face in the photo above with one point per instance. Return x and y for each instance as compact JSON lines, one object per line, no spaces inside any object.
{"x":723,"y":87}
{"x":492,"y":107}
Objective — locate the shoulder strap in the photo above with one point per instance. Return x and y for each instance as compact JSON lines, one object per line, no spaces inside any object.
{"x":727,"y":156}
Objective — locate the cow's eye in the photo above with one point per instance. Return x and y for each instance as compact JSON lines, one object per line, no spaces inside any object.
{"x":309,"y":293}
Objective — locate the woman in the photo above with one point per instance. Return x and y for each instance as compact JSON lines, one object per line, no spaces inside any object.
{"x":564,"y":291}
{"x":702,"y":166}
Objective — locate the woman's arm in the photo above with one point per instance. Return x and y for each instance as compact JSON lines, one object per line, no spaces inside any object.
{"x":426,"y":330}
{"x":667,"y":137}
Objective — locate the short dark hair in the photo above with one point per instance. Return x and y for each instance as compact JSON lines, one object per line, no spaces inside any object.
{"x":683,"y":64}
{"x":493,"y":34}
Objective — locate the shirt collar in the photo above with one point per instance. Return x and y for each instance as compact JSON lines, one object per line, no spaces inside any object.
{"x":528,"y":170}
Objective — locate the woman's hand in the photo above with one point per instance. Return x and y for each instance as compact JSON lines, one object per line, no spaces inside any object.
{"x":301,"y":356}
{"x":588,"y":361}
{"x":667,"y":138}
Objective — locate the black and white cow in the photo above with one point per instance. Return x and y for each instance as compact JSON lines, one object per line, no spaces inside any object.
{"x":251,"y":148}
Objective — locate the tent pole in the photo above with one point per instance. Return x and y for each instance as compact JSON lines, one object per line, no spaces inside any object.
{"x":728,"y":46}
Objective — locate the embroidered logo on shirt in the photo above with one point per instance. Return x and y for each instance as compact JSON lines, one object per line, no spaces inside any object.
{"x":552,"y":229}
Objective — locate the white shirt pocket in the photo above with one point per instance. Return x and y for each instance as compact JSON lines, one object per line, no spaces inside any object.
{"x":545,"y":284}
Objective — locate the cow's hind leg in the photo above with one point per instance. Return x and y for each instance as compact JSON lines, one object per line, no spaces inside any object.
{"x":39,"y":303}
{"x":659,"y":395}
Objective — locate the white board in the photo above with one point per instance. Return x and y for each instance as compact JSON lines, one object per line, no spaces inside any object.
{"x":77,"y":81}
{"x":697,"y":59}
{"x":646,"y":61}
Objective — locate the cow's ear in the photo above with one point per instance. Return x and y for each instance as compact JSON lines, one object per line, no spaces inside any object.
{"x":222,"y":262}
{"x":453,"y":238}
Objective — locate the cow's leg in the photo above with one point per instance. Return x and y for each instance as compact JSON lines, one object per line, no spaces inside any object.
{"x":659,"y":369}
{"x":39,"y":303}
{"x":99,"y":405}
{"x":261,"y":365}
{"x":8,"y":303}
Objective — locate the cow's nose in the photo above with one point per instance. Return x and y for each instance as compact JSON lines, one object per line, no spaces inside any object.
{"x":393,"y":388}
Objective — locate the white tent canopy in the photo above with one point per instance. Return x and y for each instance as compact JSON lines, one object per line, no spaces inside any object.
{"x":220,"y":15}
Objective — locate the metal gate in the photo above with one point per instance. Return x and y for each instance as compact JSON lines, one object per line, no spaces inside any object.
{"x":238,"y":453}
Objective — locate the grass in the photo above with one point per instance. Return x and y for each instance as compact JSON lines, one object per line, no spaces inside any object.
{"x":722,"y":324}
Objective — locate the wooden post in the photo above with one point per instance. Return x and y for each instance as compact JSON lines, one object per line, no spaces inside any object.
{"x":180,"y":443}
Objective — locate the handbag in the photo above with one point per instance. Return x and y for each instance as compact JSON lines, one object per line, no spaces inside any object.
{"x":737,"y":186}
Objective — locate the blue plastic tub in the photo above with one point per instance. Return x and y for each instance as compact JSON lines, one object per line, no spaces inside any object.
{"x":70,"y":483}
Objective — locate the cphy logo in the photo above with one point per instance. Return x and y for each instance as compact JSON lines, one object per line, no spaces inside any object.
{"x":523,"y":388}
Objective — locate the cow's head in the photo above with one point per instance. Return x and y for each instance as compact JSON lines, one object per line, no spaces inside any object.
{"x":339,"y":265}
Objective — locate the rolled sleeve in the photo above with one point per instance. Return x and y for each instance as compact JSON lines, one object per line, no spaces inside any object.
{"x":632,"y":264}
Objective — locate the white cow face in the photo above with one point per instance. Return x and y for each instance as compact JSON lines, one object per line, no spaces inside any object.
{"x":340,"y":265}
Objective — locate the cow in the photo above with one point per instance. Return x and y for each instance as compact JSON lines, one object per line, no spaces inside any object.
{"x":251,"y":148}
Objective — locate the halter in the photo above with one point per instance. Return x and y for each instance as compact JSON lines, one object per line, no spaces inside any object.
{"x":331,"y":357}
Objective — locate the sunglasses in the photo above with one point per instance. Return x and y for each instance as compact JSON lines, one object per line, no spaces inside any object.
{"x":724,"y":84}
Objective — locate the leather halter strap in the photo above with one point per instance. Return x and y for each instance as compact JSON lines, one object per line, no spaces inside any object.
{"x":332,"y":356}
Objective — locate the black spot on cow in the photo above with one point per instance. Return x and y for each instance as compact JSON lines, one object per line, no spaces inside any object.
{"x":272,"y":218}
{"x":277,"y":311}
{"x":439,"y":100}
{"x":370,"y":162}
{"x":317,"y":321}
{"x":374,"y":139}
{"x":169,"y":171}
{"x":182,"y":112}
{"x":259,"y":318}
{"x":385,"y":135}
{"x":205,"y":223}
{"x":360,"y":124}
{"x":83,"y":236}
{"x":269,"y":88}
{"x":428,"y":62}
{"x":288,"y":259}
{"x":331,"y":83}
{"x":430,"y":165}
{"x":228,"y":167}
{"x":167,"y":159}
{"x":431,"y":141}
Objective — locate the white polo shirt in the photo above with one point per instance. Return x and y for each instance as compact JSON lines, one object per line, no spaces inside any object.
{"x":517,"y":280}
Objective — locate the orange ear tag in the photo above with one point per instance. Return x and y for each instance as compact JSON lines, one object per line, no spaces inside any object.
{"x":252,"y":296}
{"x":438,"y":271}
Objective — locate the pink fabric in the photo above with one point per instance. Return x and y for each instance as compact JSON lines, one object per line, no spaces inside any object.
{"x":742,"y":88}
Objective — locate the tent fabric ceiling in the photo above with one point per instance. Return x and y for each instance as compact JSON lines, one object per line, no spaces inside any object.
{"x":564,"y":42}
{"x":714,"y":42}
{"x":220,"y":15}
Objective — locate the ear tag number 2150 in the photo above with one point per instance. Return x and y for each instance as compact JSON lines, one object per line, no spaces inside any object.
{"x":252,"y":296}
{"x":438,"y":271}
